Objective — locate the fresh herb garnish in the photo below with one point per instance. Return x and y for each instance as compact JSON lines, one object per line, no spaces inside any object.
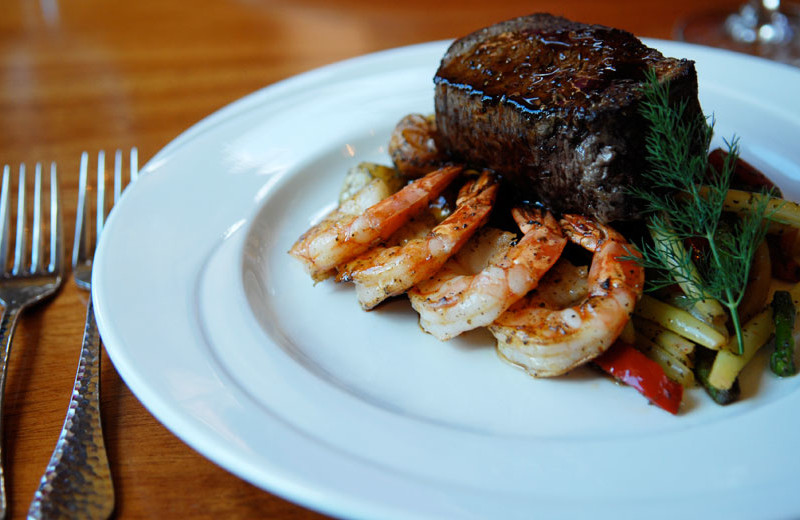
{"x":685,"y":201}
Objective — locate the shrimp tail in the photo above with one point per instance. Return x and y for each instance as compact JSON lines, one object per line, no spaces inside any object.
{"x":341,"y":237}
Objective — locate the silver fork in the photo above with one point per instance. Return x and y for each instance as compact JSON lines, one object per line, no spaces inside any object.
{"x":29,"y":278}
{"x":77,"y":482}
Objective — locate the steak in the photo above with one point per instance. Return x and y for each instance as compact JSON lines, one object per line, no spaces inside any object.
{"x":554,"y":107}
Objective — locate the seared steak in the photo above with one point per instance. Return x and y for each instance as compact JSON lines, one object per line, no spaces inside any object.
{"x":553,"y":106}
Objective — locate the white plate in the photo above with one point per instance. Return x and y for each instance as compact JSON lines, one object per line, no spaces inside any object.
{"x":292,"y":387}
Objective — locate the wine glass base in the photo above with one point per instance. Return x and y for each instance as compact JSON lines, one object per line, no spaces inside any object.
{"x":778,"y":39}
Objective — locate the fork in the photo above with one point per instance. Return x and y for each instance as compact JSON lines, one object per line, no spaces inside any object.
{"x":77,"y":482}
{"x":29,"y":279}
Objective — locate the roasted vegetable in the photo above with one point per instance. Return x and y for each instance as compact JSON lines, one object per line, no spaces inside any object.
{"x":680,"y":322}
{"x":745,"y":176}
{"x":363,"y":173}
{"x":703,"y":361}
{"x":629,"y":366}
{"x":727,"y":364}
{"x":783,"y":266}
{"x":781,"y":362}
{"x":759,"y":284}
{"x":677,"y":368}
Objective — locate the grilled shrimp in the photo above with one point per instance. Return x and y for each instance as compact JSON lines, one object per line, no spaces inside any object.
{"x":383,"y":272}
{"x":547,"y":339}
{"x":350,"y":230}
{"x":412,"y":146}
{"x":458,"y":298}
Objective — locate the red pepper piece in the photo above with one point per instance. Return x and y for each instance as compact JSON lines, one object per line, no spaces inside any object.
{"x":628,"y":365}
{"x":784,"y":266}
{"x":745,"y":176}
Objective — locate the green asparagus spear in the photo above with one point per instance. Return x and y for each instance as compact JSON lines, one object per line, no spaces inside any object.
{"x":782,"y":359}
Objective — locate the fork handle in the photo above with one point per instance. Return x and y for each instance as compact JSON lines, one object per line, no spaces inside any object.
{"x":77,"y":482}
{"x":8,"y":322}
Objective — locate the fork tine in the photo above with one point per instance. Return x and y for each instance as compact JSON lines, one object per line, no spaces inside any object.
{"x":83,"y":246}
{"x":117,"y":175}
{"x":36,"y":243}
{"x":101,"y":193}
{"x":56,"y":226}
{"x":21,"y":243}
{"x":5,"y":218}
{"x":80,"y":245}
{"x":134,"y":163}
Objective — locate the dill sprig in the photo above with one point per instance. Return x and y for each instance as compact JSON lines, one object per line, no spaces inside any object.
{"x":685,"y":202}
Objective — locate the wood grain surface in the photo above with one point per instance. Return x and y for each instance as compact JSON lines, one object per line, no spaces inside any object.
{"x":95,"y":74}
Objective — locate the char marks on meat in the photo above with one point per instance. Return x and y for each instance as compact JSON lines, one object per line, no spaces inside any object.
{"x":554,"y":106}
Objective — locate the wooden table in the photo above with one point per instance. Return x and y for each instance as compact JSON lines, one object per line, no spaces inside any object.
{"x":93,"y":74}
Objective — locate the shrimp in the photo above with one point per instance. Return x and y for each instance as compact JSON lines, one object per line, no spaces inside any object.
{"x":346,"y":233}
{"x":548,"y":339}
{"x":412,"y":146}
{"x":457,"y":299}
{"x":384,"y":272}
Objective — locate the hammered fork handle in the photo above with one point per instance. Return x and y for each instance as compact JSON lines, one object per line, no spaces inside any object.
{"x":77,"y":482}
{"x":8,"y":322}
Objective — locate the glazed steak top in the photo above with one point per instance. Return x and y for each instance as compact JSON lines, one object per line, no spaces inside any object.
{"x":553,"y":105}
{"x":547,"y":64}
